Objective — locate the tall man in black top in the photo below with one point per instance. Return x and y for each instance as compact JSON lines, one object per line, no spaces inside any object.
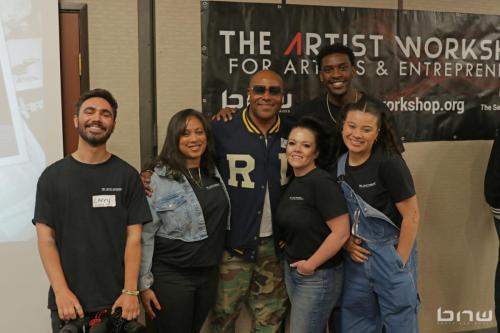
{"x":492,"y":195}
{"x":336,"y":72}
{"x":90,"y":207}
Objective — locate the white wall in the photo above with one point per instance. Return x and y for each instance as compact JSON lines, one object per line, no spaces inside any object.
{"x":24,"y":285}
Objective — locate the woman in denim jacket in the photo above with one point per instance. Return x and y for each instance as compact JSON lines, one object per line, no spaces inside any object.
{"x":380,"y":293}
{"x":182,"y":246}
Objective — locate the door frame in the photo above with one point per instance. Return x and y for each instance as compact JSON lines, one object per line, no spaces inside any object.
{"x":81,"y":10}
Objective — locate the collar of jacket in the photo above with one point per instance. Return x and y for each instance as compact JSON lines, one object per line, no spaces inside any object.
{"x":161,"y":170}
{"x":252,"y":128}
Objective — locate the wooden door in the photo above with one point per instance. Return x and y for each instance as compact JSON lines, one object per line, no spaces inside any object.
{"x":74,"y":66}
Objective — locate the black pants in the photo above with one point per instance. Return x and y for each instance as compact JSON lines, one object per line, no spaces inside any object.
{"x":186,"y":295}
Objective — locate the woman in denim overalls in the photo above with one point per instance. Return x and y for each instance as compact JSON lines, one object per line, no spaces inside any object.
{"x":380,"y":293}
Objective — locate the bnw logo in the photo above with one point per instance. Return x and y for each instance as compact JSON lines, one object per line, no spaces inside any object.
{"x":367,"y":185}
{"x":464,"y":317}
{"x":296,"y":198}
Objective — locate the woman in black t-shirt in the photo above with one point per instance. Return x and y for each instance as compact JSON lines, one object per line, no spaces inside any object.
{"x":380,"y":291}
{"x":312,"y":214}
{"x":182,"y":246}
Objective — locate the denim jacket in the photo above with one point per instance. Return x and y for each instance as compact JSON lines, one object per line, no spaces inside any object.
{"x":177,"y":214}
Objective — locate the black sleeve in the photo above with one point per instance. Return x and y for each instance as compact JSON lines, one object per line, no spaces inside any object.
{"x":397,"y":178}
{"x":329,"y":198}
{"x":137,"y":204}
{"x":492,"y":178}
{"x":303,"y":109}
{"x":43,"y":204}
{"x":296,"y":112}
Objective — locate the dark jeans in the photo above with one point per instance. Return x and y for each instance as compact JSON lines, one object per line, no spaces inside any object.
{"x":312,"y":297}
{"x":186,"y":295}
{"x":334,"y":320}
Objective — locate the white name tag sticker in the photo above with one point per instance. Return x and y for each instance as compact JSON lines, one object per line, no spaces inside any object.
{"x":99,"y":201}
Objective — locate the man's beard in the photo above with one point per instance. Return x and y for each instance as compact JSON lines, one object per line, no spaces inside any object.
{"x":94,"y":141}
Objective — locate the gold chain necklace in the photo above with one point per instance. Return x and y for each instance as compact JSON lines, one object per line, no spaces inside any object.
{"x":328,"y":105}
{"x":198,"y":182}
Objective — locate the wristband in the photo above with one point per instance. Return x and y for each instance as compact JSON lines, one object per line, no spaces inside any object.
{"x":130,"y":292}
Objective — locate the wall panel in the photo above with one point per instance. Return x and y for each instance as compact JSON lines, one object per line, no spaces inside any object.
{"x":113,"y":53}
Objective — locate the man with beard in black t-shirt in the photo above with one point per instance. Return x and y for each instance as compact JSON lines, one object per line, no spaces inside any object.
{"x":90,"y":207}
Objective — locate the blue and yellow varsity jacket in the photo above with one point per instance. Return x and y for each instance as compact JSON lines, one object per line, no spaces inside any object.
{"x":246,"y":163}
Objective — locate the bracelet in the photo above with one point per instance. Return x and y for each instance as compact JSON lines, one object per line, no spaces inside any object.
{"x":130,"y":292}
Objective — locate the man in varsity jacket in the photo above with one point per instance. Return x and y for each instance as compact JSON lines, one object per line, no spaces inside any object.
{"x":252,"y":161}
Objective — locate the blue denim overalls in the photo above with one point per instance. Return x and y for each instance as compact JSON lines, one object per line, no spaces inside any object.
{"x":380,"y":294}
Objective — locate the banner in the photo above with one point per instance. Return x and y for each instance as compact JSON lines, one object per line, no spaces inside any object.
{"x":437,"y":72}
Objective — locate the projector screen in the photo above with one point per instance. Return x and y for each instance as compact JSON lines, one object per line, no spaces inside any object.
{"x":30,"y":109}
{"x":30,"y":139}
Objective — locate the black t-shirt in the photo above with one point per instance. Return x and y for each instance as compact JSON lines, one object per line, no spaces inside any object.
{"x":331,"y":116}
{"x":207,"y":252}
{"x":492,"y":177}
{"x":89,"y":206}
{"x":382,"y":181}
{"x":307,"y":203}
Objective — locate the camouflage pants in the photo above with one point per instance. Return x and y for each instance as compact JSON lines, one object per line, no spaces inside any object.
{"x":259,"y":284}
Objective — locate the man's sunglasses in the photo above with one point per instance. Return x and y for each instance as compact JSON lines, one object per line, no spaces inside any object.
{"x":261,"y":90}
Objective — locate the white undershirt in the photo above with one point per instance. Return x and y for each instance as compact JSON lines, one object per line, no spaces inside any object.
{"x":266,"y":226}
